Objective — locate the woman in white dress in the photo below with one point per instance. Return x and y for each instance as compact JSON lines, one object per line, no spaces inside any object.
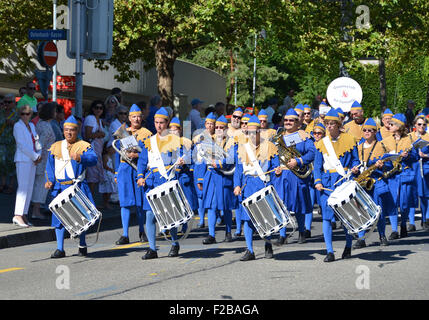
{"x":94,"y":134}
{"x":27,"y":156}
{"x":47,"y":138}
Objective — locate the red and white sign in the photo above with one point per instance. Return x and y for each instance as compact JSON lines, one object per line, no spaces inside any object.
{"x":64,"y":84}
{"x":50,"y":53}
{"x":342,"y":92}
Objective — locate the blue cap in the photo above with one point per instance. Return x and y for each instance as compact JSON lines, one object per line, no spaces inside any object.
{"x":333,"y":115}
{"x":238,"y":110}
{"x":135,"y":110}
{"x":340,"y":111}
{"x":262,"y":114}
{"x":175,"y":122}
{"x":222,"y":120}
{"x":387,"y":112}
{"x":320,"y":126}
{"x":356,"y":106}
{"x":245,"y":117}
{"x":370,"y":123}
{"x":71,"y":121}
{"x":254,"y":121}
{"x":400,"y":119}
{"x":291,"y":114}
{"x":211,"y":117}
{"x":196,"y":101}
{"x":299,"y":107}
{"x":161,"y":113}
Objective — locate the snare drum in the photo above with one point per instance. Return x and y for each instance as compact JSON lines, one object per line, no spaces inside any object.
{"x":75,"y":211}
{"x":354,"y":207}
{"x":169,"y":205}
{"x":267,"y":211}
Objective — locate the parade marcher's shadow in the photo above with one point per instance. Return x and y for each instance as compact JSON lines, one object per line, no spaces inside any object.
{"x":207,"y":252}
{"x":298,"y":255}
{"x":385,"y":255}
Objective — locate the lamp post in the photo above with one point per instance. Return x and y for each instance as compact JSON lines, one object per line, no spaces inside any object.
{"x":263,"y":34}
{"x":346,"y":18}
{"x":54,"y":68}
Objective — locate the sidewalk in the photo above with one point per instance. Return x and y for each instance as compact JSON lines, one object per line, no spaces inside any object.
{"x":13,"y":236}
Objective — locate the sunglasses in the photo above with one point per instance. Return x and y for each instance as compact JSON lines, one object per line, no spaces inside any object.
{"x":31,"y":88}
{"x":220,"y":128}
{"x":307,"y":113}
{"x":317,"y":132}
{"x":11,"y":101}
{"x":289,"y":120}
{"x":236,"y":117}
{"x":122,"y":113}
{"x":98,"y":108}
{"x":25,"y":113}
{"x":420,"y":124}
{"x":368,"y":130}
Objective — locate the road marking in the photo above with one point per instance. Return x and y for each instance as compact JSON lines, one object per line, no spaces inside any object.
{"x":10,"y":269}
{"x":131,"y":245}
{"x":96,"y":291}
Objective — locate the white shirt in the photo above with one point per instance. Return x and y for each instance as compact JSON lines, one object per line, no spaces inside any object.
{"x":196,"y":121}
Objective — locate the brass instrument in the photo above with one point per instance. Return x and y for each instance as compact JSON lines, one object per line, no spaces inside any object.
{"x":210,"y":151}
{"x":397,"y":166}
{"x":287,"y":153}
{"x":128,"y":144}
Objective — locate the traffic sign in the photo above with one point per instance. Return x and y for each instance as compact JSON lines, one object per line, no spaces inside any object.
{"x":48,"y":54}
{"x":46,"y":35}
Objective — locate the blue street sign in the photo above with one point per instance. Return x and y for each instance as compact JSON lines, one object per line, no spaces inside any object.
{"x":47,"y":34}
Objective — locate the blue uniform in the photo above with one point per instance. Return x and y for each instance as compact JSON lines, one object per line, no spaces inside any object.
{"x":63,"y":177}
{"x":324,"y":173}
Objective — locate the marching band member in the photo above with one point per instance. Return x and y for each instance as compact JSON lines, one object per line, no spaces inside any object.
{"x":186,"y":178}
{"x":66,"y":165}
{"x":420,"y":124}
{"x":319,"y":132}
{"x":217,"y":187}
{"x":299,"y":109}
{"x":266,"y":132}
{"x":308,"y":121}
{"x":235,"y":125}
{"x":385,"y":129}
{"x":253,"y":159}
{"x":335,"y":154}
{"x":401,"y":178}
{"x":161,"y":152}
{"x":370,"y":152}
{"x":209,"y":124}
{"x":354,"y":127}
{"x":341,"y":114}
{"x":131,"y":195}
{"x":293,"y":190}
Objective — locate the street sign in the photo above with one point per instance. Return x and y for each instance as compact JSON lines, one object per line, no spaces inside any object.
{"x":64,"y":84}
{"x":49,"y":54}
{"x":46,"y":35}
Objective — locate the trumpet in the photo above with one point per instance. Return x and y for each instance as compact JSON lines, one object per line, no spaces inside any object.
{"x":128,"y":144}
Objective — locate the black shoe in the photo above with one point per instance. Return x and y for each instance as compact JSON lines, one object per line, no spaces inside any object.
{"x":329,"y":257}
{"x":174,"y":251}
{"x":58,"y":254}
{"x":268,"y":251}
{"x":301,"y":237}
{"x":123,"y":240}
{"x":411,"y":228}
{"x":347,"y":253}
{"x":334,"y":225}
{"x":383,"y":241}
{"x":394,"y":235}
{"x":201,"y":226}
{"x":247,"y":256}
{"x":307,"y":234}
{"x":359,"y":244}
{"x":426,"y":225}
{"x":403,"y":232}
{"x":83,"y":252}
{"x":150,"y":254}
{"x":142,"y":237}
{"x":236,"y":236}
{"x":209,"y":240}
{"x":280,"y":241}
{"x":228,"y":237}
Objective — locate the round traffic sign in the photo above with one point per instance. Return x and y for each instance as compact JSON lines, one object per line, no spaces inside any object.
{"x":49,"y":54}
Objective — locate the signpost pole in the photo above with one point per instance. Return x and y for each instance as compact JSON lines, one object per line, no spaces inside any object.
{"x":79,"y":64}
{"x":54,"y":69}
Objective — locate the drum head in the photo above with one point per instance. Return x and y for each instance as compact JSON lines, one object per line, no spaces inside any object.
{"x":163,"y":189}
{"x":343,"y":194}
{"x":63,"y":197}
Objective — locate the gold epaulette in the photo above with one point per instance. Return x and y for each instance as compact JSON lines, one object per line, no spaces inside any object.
{"x":267,"y":133}
{"x":377,"y":153}
{"x":345,"y":143}
{"x":78,"y":147}
{"x":187,"y":143}
{"x":142,"y":134}
{"x":304,"y":135}
{"x":169,"y":143}
{"x":414,"y":136}
{"x":397,"y":146}
{"x":265,"y":152}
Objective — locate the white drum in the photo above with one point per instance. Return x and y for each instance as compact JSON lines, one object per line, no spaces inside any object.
{"x":267,"y":211}
{"x":169,"y":205}
{"x":354,"y":207}
{"x":75,"y":211}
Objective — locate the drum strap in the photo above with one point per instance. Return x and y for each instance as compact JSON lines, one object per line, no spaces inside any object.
{"x":332,"y":156}
{"x":157,"y":159}
{"x":255,"y":162}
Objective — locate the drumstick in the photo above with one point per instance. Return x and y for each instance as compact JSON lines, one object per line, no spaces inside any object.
{"x":327,"y":189}
{"x":346,"y":176}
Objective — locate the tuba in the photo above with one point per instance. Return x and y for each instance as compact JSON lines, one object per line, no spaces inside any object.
{"x":210,"y":151}
{"x":128,"y":143}
{"x":287,"y":153}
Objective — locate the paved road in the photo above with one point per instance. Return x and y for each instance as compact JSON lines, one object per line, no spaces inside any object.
{"x":399,"y":271}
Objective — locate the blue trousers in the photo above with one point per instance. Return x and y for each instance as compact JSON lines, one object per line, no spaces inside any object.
{"x":125,"y":217}
{"x":212,"y":215}
{"x":201,"y":211}
{"x":238,"y":220}
{"x":394,"y":219}
{"x":60,"y":234}
{"x":249,"y":228}
{"x":327,"y":234}
{"x":151,"y":231}
{"x":300,"y":218}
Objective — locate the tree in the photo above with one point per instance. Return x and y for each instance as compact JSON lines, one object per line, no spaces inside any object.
{"x":158,"y":32}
